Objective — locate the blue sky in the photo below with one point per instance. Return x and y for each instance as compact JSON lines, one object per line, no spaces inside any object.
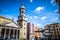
{"x":38,"y":12}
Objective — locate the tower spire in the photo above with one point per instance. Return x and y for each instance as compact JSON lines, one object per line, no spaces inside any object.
{"x":22,"y":6}
{"x":22,"y":3}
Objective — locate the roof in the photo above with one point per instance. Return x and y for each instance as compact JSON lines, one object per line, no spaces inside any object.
{"x":7,"y":22}
{"x":11,"y":24}
{"x":4,"y":20}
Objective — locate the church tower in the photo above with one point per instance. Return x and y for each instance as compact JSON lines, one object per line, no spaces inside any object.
{"x":22,"y":23}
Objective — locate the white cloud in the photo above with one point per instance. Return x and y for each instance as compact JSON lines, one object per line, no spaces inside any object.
{"x":34,"y":19}
{"x":31,"y":0}
{"x":52,"y":1}
{"x":39,"y":24}
{"x":55,"y":19}
{"x":31,"y":17}
{"x":27,"y":15}
{"x":26,"y":18}
{"x":56,"y":10}
{"x":38,"y":9}
{"x":43,"y":18}
{"x":35,"y":16}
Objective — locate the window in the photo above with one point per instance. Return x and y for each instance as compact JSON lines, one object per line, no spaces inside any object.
{"x":19,"y":23}
{"x":22,"y":11}
{"x":24,"y":23}
{"x":56,"y":25}
{"x":24,"y":27}
{"x":59,"y":28}
{"x":52,"y":32}
{"x":24,"y":33}
{"x":57,"y":32}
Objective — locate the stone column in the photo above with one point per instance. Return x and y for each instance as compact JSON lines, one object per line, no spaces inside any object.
{"x":9,"y":34}
{"x":5,"y":34}
{"x":17,"y":35}
{"x":13,"y":33}
{"x":0,"y":31}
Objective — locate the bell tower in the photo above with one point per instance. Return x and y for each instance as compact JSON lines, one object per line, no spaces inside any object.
{"x":22,"y":10}
{"x":22,"y":23}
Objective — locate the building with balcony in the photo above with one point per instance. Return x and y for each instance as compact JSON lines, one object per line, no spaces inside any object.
{"x":55,"y":30}
{"x":47,"y":33}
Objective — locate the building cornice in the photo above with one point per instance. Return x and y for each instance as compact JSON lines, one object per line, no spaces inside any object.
{"x":21,"y":20}
{"x":8,"y":26}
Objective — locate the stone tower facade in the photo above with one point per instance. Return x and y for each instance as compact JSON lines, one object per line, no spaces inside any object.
{"x":22,"y":23}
